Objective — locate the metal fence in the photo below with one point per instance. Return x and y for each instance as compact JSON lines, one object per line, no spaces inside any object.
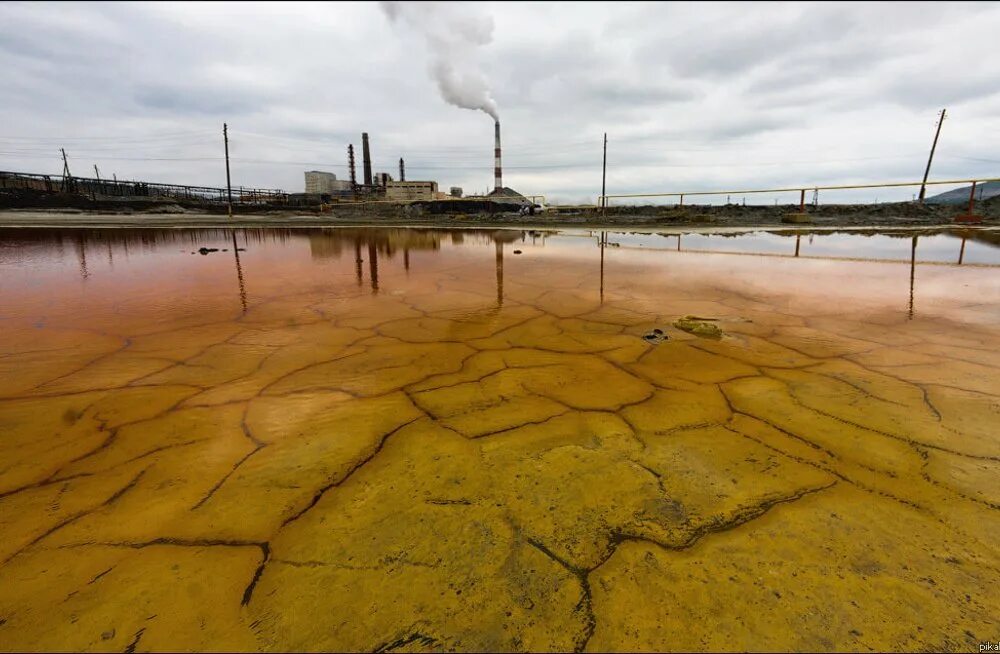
{"x":115,"y":188}
{"x":603,"y":200}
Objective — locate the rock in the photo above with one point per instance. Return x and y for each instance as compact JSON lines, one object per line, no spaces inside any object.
{"x":517,"y":252}
{"x":704,"y":327}
{"x":656,"y":336}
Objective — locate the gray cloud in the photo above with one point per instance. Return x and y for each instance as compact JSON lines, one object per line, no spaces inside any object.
{"x":200,"y":99}
{"x":691,"y":95}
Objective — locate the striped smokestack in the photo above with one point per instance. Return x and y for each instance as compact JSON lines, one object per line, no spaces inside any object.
{"x":497,"y":174}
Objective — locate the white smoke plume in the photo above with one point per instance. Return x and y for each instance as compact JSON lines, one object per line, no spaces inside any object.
{"x":453,"y":34}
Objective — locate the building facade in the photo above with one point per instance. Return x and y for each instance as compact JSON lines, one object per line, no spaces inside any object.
{"x":318,"y":181}
{"x":409,"y":191}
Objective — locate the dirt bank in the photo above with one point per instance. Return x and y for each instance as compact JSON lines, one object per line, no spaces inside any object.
{"x":445,"y":215}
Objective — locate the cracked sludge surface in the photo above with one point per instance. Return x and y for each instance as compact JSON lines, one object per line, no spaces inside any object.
{"x":426,"y":469}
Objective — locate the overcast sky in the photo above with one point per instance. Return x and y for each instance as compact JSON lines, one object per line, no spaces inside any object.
{"x":693,"y":96}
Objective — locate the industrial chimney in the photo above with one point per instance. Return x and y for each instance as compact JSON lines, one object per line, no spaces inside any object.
{"x":497,"y":175}
{"x":350,"y":166}
{"x":366,"y":153}
{"x":402,"y":171}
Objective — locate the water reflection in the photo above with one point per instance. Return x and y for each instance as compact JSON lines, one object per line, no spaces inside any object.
{"x":373,"y":266}
{"x":81,"y":254}
{"x":499,"y":266}
{"x":357,"y":260}
{"x":239,"y":274}
{"x":943,"y":245}
{"x":603,"y":243}
{"x":46,"y":249}
{"x":913,"y":272}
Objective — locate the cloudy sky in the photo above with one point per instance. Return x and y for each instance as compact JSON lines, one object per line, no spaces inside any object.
{"x":693,"y":96}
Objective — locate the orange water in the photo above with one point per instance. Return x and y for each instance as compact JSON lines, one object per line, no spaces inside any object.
{"x":414,"y":439}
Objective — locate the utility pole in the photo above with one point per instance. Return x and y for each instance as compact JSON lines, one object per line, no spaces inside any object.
{"x":923,"y":186}
{"x":229,"y":186}
{"x":67,"y":178}
{"x":604,"y":177}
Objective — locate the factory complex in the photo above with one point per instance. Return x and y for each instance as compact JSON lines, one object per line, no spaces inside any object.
{"x":324,"y":187}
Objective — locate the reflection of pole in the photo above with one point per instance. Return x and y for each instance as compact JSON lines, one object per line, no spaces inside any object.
{"x":373,"y":266}
{"x":357,"y":260}
{"x":798,"y":237}
{"x":81,"y":253}
{"x":239,"y":274}
{"x":406,"y":259}
{"x":961,"y":253}
{"x":913,"y":270}
{"x":499,"y":247}
{"x":604,"y":237}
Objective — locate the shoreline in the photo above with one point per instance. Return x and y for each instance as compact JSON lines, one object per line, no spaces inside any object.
{"x":634,"y":222}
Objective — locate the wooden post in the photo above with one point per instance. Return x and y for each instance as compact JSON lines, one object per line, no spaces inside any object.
{"x":923,"y":186}
{"x":229,"y":187}
{"x":67,"y":183}
{"x":604,"y":177}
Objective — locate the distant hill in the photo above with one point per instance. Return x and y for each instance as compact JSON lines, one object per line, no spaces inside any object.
{"x":961,"y":195}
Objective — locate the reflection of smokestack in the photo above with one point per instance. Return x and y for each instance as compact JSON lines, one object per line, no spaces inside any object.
{"x":373,"y":266}
{"x":497,"y":175}
{"x":366,"y":153}
{"x":499,"y":248}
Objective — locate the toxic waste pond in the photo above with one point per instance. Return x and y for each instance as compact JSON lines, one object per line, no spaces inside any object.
{"x":393,"y":439}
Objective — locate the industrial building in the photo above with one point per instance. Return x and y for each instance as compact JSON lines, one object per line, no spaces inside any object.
{"x":321,"y":182}
{"x":381,"y":186}
{"x":409,"y":191}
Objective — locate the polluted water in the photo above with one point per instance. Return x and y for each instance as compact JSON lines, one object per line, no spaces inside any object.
{"x":402,"y":439}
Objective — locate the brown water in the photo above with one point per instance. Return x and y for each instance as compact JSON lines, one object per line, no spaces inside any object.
{"x":420,"y":440}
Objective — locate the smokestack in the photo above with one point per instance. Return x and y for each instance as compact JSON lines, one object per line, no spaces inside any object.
{"x":402,"y":171}
{"x":497,"y":175}
{"x":350,"y":165}
{"x":366,"y":153}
